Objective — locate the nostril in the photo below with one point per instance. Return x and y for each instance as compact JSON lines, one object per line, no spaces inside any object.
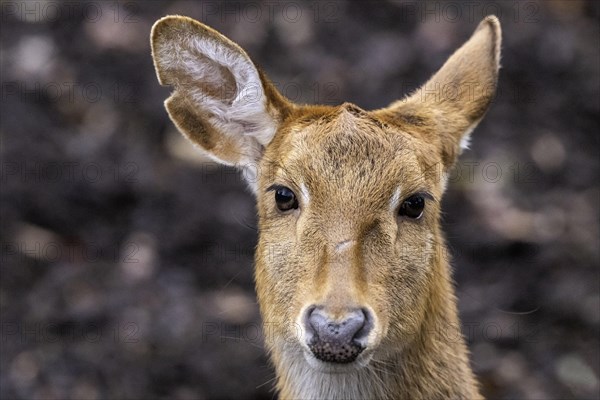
{"x":362,"y":334}
{"x":309,"y":328}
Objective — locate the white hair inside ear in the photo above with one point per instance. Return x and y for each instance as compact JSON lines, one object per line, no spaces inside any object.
{"x":465,"y":140}
{"x":210,"y":64}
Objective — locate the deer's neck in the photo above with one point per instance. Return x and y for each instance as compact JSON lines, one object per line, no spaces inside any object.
{"x":433,"y":366}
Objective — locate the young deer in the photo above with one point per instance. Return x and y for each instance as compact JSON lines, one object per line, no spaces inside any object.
{"x":352,"y":279}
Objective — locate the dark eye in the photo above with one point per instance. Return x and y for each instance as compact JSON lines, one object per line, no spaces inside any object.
{"x":285,"y":199}
{"x":412,"y":207}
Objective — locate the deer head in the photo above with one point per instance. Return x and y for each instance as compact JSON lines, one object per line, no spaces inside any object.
{"x":349,"y":265}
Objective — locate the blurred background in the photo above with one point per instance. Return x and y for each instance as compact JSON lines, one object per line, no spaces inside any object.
{"x":126,"y":256}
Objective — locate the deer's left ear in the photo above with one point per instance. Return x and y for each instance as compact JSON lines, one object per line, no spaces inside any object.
{"x":451,"y":104}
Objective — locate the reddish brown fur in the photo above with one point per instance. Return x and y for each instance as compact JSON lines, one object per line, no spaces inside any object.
{"x":351,"y":162}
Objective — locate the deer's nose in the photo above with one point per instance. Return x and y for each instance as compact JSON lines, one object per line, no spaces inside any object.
{"x":338,"y":340}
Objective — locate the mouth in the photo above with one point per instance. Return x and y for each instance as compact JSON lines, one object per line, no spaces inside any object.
{"x":326,"y":363}
{"x":338,"y":353}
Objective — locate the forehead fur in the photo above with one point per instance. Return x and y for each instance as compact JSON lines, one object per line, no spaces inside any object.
{"x":352,"y":152}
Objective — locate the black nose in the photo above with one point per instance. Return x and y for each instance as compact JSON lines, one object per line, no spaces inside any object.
{"x":340,"y":340}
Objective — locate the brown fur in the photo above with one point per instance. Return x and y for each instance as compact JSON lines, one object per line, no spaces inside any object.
{"x":350,"y":162}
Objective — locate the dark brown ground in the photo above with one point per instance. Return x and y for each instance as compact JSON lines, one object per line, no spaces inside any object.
{"x":127,"y":261}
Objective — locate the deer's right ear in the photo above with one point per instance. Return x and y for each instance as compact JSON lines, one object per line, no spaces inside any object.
{"x":221,"y":102}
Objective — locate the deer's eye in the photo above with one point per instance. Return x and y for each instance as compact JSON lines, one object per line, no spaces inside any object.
{"x":412,"y":207}
{"x":285,"y":199}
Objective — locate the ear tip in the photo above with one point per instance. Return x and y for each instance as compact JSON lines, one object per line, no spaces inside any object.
{"x":176,"y":27}
{"x":162,"y":23}
{"x":160,"y":30}
{"x":492,"y":20}
{"x":171,"y":23}
{"x":169,"y":29}
{"x":493,"y":23}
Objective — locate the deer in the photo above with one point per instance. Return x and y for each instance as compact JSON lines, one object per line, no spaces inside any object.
{"x":352,"y":280}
